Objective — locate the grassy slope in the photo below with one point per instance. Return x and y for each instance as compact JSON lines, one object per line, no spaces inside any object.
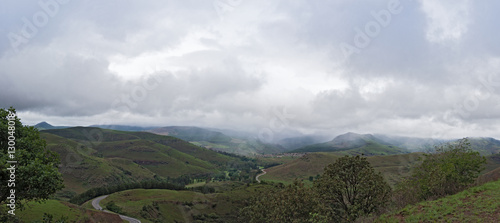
{"x":81,"y":170}
{"x":477,"y":204}
{"x":393,"y":167}
{"x":183,"y":205}
{"x":115,"y":157}
{"x":60,"y":209}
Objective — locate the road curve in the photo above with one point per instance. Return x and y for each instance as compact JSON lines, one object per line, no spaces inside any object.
{"x":95,"y":204}
{"x":257,"y":177}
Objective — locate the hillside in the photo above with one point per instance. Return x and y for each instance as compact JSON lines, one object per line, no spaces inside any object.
{"x":485,"y":146}
{"x":477,"y":204}
{"x":393,"y":167}
{"x":82,"y":168}
{"x":310,"y":165}
{"x":64,"y":210}
{"x":352,"y":143}
{"x":114,"y":157}
{"x":218,"y":141}
{"x":185,"y":206}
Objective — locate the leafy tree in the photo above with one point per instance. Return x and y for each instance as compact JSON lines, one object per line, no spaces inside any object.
{"x":450,"y":169}
{"x":36,"y":171}
{"x":292,"y":203}
{"x":350,"y":188}
{"x":111,"y":206}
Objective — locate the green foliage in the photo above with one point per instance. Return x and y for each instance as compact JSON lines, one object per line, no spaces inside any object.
{"x":292,"y":203}
{"x":111,"y":206}
{"x":36,"y":173}
{"x":350,"y":188}
{"x":147,"y":184}
{"x":451,"y":169}
{"x":476,"y":204}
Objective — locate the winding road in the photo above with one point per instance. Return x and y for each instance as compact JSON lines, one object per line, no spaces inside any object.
{"x":95,"y":204}
{"x":257,"y":177}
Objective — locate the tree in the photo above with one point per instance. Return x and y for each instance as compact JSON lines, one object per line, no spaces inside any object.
{"x":448,"y":170}
{"x":32,"y":173}
{"x":292,"y":203}
{"x":350,"y":188}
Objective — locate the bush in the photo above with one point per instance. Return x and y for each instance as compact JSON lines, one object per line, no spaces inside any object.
{"x":450,"y":169}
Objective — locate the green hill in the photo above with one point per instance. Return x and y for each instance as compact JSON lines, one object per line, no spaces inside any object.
{"x":312,"y":164}
{"x":393,"y":167}
{"x":352,"y":143}
{"x":185,"y":206}
{"x":63,"y":210}
{"x":218,"y":141}
{"x":485,"y":146}
{"x":477,"y":204}
{"x":93,"y":157}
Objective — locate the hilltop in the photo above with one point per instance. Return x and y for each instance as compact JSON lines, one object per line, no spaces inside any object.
{"x":93,"y":157}
{"x":45,"y":125}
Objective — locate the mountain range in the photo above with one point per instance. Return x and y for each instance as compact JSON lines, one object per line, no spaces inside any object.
{"x":350,"y":143}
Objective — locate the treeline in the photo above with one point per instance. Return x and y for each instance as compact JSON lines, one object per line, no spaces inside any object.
{"x":99,"y":191}
{"x":350,"y":189}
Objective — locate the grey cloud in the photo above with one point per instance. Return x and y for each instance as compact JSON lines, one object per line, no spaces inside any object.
{"x":235,"y":67}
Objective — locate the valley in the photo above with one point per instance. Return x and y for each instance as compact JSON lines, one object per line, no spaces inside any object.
{"x":217,"y":173}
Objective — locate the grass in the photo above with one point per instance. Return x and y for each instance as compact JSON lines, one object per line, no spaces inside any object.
{"x":393,"y":167}
{"x":184,"y":206}
{"x":59,"y":209}
{"x":124,"y":157}
{"x":477,"y":204}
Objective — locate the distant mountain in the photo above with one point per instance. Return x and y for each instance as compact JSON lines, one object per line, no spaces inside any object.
{"x":300,"y":141}
{"x":45,"y":125}
{"x":353,"y":143}
{"x":485,"y":146}
{"x":216,"y":140}
{"x":378,"y":144}
{"x":412,"y":143}
{"x":124,"y":127}
{"x":189,"y":133}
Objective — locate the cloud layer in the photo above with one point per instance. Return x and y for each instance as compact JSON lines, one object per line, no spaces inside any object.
{"x":415,"y":68}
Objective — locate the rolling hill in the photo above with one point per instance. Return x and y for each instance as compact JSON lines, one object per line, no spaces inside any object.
{"x":393,"y":167}
{"x":218,"y":141}
{"x":92,"y":157}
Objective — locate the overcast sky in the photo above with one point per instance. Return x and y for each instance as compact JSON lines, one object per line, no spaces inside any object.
{"x":413,"y":68}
